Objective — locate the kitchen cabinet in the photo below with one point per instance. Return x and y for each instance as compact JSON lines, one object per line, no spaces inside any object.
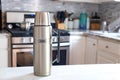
{"x":5,"y":51}
{"x":91,"y":49}
{"x":104,"y":57}
{"x":108,"y":52}
{"x":77,"y":49}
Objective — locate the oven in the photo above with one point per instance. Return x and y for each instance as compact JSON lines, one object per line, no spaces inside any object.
{"x":22,"y":51}
{"x":60,"y":51}
{"x":63,"y":57}
{"x":22,"y":41}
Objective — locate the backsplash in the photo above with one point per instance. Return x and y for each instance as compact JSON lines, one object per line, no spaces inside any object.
{"x":109,"y":11}
{"x":48,"y":5}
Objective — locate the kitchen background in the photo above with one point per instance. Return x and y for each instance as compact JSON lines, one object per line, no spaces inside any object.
{"x":107,"y":11}
{"x":47,"y":5}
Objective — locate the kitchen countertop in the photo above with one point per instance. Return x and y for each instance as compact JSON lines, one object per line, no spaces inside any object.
{"x":68,"y":72}
{"x":100,"y":34}
{"x":4,"y":33}
{"x":78,"y":32}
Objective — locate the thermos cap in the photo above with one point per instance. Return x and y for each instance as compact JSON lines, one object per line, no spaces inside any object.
{"x":42,"y":18}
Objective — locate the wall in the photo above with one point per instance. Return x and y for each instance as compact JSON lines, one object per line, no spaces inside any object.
{"x":47,"y":5}
{"x":109,"y":11}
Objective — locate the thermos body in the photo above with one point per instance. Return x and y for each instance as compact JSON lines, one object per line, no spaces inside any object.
{"x":42,"y":48}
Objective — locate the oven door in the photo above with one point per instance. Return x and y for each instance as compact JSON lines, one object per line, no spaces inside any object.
{"x":22,"y":56}
{"x":61,"y":58}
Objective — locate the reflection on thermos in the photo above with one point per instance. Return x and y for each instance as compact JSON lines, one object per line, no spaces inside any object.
{"x":42,"y":44}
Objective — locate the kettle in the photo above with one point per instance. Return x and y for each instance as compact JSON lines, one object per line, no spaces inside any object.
{"x":25,"y":26}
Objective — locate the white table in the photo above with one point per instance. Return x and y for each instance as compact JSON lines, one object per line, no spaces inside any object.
{"x":69,"y":72}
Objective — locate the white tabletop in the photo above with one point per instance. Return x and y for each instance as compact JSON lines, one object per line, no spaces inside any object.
{"x":69,"y":72}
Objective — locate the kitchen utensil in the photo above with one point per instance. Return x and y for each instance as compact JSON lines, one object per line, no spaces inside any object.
{"x":61,"y":16}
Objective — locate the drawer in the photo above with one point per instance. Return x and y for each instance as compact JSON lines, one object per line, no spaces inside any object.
{"x":108,"y":46}
{"x":91,"y":41}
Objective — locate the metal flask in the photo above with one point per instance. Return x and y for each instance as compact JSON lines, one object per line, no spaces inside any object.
{"x":42,"y":44}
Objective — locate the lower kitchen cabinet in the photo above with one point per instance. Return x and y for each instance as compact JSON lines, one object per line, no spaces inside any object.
{"x":91,"y":49}
{"x":5,"y":50}
{"x":101,"y":51}
{"x":108,"y":52}
{"x":77,"y":49}
{"x":104,"y":57}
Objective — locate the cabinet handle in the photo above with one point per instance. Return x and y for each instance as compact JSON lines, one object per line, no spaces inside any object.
{"x":106,"y":46}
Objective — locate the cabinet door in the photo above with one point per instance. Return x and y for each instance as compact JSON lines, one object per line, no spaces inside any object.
{"x":77,"y":49}
{"x":3,"y":58}
{"x":104,"y":57}
{"x":91,"y":48}
{"x":5,"y":51}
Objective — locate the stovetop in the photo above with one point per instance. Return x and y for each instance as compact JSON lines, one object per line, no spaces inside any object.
{"x":24,"y":33}
{"x":21,"y":33}
{"x":55,"y":32}
{"x":17,"y":31}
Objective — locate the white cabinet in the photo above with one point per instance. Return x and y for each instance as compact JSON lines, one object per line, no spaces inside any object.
{"x":5,"y":52}
{"x":104,"y":57}
{"x":77,"y":49}
{"x":108,"y":52}
{"x":91,"y":49}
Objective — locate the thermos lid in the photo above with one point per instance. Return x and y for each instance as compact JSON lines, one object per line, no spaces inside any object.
{"x":42,"y":18}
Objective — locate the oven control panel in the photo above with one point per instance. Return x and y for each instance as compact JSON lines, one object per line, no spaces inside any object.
{"x":62,"y":39}
{"x":20,"y":40}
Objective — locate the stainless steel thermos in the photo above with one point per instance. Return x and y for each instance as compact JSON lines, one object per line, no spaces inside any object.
{"x":42,"y":44}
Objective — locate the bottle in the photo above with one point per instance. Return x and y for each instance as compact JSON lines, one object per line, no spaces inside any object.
{"x":42,"y":44}
{"x":88,"y":23}
{"x":83,"y":21}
